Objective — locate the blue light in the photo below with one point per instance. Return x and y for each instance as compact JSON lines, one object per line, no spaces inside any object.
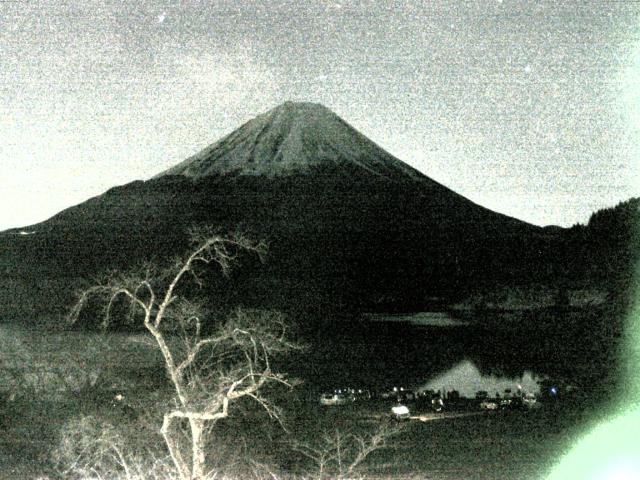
{"x":554,"y":391}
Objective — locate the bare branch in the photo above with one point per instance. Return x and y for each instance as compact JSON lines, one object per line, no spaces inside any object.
{"x":208,"y":372}
{"x":338,"y":455}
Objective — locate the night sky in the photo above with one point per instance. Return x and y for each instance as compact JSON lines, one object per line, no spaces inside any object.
{"x":529,"y":108}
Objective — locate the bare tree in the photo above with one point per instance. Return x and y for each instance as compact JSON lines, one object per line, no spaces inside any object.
{"x":208,"y":372}
{"x":338,"y":455}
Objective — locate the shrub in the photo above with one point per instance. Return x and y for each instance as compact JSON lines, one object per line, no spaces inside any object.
{"x":90,"y":448}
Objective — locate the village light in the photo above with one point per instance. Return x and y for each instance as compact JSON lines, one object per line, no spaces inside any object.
{"x":400,"y":410}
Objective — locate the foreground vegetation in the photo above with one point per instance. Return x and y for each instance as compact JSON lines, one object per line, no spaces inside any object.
{"x":48,"y":425}
{"x":61,"y":418}
{"x":87,"y":435}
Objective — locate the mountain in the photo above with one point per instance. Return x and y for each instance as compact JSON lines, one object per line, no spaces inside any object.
{"x":294,"y":137}
{"x":349,"y":226}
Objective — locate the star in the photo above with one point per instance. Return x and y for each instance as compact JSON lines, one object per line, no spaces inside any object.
{"x":162,"y":17}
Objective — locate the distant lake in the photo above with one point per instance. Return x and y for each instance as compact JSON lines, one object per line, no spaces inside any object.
{"x":463,"y":376}
{"x":421,"y":319}
{"x":432,"y":350}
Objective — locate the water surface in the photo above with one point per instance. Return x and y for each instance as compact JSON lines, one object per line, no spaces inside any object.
{"x":438,"y":351}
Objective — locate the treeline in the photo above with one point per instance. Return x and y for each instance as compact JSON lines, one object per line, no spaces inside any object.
{"x":607,"y":249}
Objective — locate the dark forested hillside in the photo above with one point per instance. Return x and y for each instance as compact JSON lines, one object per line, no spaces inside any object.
{"x":607,"y":249}
{"x":345,"y":238}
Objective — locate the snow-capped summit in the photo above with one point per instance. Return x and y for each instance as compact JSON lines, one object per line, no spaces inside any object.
{"x":291,"y":138}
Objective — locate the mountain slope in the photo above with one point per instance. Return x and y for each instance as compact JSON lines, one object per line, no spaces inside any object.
{"x":292,"y":137}
{"x":349,"y":226}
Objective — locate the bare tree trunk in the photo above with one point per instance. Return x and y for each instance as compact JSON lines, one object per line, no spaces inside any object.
{"x":197,"y":449}
{"x":174,"y":448}
{"x":253,"y":337}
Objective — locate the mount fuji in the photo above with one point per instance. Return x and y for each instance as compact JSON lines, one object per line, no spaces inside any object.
{"x":349,"y":226}
{"x":293,"y":137}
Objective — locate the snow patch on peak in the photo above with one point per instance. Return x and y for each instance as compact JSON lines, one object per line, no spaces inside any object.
{"x":291,"y":137}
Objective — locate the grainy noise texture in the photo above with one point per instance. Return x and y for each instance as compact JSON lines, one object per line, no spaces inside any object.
{"x":528,"y":108}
